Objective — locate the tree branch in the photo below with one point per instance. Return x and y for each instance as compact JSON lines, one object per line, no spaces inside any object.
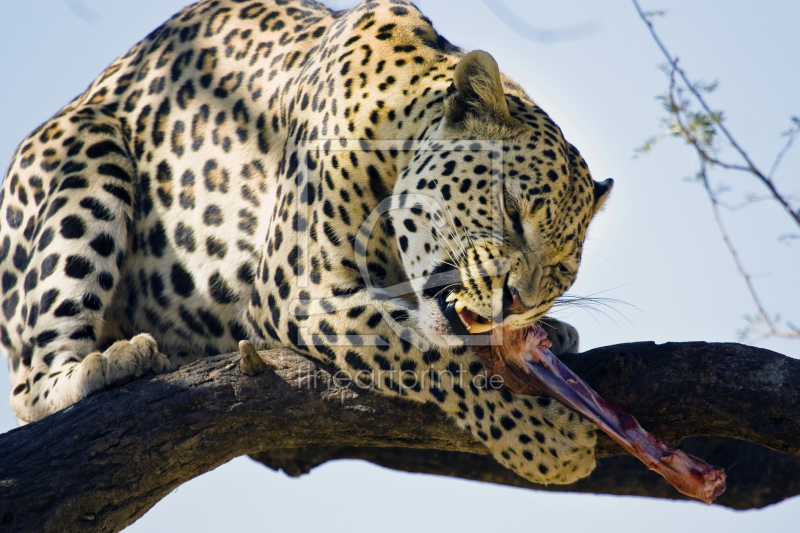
{"x":102,"y":463}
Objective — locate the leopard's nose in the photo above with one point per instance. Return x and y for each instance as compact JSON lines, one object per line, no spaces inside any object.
{"x":512,"y":303}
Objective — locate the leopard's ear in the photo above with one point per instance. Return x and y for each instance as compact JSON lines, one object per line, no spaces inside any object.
{"x":601,"y":191}
{"x":477,"y":90}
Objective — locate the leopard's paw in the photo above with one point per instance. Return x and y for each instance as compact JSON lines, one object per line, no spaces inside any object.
{"x":564,"y":337}
{"x":122,"y":362}
{"x":128,"y":360}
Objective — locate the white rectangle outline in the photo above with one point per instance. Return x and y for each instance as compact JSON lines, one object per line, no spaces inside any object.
{"x":343,"y":145}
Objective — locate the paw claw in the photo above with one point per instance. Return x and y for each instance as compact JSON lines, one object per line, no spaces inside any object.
{"x":161,"y":364}
{"x":251,"y":363}
{"x":127,"y":360}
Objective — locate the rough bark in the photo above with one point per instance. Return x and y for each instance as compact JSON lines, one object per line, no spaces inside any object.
{"x":102,"y":463}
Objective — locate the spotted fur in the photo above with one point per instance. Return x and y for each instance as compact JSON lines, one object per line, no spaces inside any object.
{"x":326,"y":181}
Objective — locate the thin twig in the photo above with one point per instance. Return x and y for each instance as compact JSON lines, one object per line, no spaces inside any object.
{"x":726,"y":239}
{"x":791,"y":134}
{"x":678,"y":107}
{"x":704,"y":159}
{"x":748,"y":202}
{"x":766,"y":180}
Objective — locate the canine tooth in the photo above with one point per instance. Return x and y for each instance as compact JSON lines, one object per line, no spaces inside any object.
{"x":460,"y":306}
{"x":477,"y":327}
{"x":450,"y":297}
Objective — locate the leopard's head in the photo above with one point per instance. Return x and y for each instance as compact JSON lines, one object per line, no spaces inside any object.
{"x":491,"y":215}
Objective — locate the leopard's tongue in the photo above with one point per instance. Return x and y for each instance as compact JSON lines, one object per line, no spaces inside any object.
{"x":528,"y":366}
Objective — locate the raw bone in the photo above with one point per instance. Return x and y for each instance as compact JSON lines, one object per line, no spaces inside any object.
{"x":528,"y":366}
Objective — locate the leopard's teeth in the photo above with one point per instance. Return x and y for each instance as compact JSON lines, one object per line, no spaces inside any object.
{"x":477,"y":327}
{"x":450,"y":297}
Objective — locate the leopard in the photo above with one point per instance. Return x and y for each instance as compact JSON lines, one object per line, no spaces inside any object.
{"x":347,"y":184}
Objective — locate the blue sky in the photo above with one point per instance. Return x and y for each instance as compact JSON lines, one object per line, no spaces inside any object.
{"x":655,"y":247}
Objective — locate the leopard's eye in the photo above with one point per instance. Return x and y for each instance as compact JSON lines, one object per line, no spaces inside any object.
{"x":562,"y":268}
{"x":511,"y":210}
{"x":513,"y":214}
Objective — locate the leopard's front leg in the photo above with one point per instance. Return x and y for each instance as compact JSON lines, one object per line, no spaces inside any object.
{"x":377,"y":344}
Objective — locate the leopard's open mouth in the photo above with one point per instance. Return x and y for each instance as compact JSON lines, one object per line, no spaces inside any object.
{"x":462,"y":319}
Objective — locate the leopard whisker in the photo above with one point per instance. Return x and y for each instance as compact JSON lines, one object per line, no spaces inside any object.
{"x":592,"y":304}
